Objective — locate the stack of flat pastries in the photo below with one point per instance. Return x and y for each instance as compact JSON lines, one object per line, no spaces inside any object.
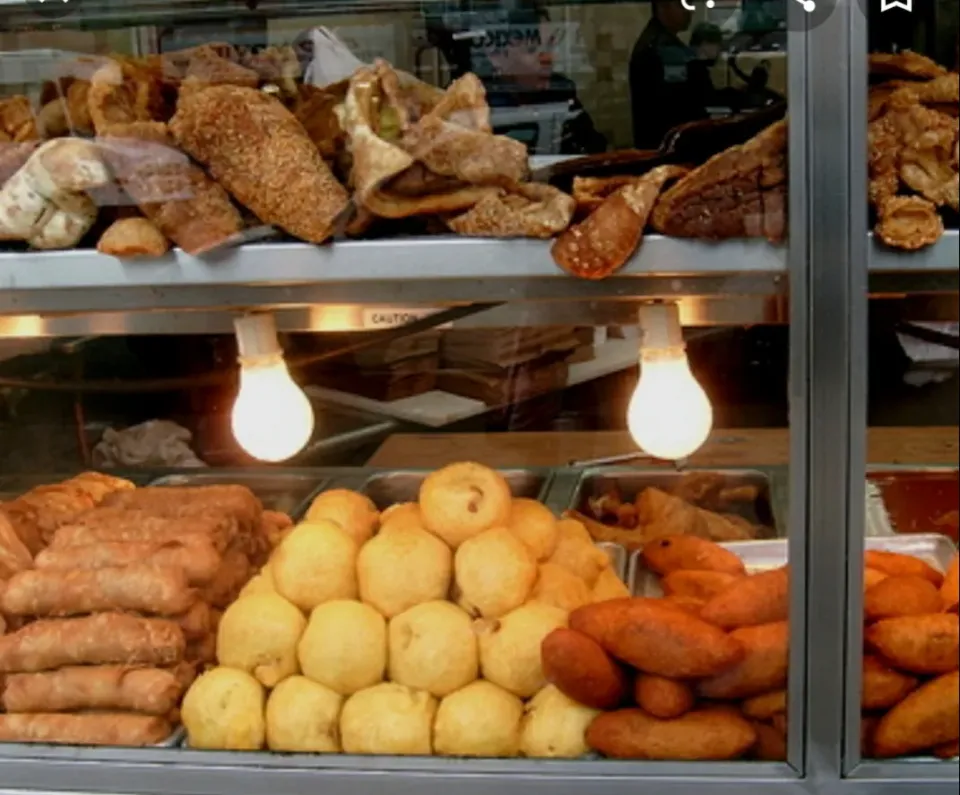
{"x":118,"y":612}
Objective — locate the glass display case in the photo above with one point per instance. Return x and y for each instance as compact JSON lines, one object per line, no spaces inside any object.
{"x":489,"y":394}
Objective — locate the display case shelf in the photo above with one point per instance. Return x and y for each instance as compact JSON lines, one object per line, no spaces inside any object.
{"x":944,"y":255}
{"x":414,"y":271}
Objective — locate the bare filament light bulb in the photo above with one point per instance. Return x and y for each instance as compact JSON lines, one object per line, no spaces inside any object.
{"x":669,"y":415}
{"x":272,"y":418}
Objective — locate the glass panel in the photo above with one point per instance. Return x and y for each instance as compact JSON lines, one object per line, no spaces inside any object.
{"x":909,"y":703}
{"x":484,"y":295}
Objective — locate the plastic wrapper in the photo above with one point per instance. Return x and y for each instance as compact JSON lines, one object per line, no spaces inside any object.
{"x":95,"y":640}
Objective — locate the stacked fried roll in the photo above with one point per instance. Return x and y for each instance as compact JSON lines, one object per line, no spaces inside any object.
{"x":120,"y":610}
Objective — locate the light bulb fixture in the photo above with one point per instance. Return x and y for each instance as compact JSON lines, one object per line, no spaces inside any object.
{"x":669,"y":415}
{"x":272,"y":419}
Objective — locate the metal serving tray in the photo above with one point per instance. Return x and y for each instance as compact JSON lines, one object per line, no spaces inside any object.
{"x":389,"y":488}
{"x":175,"y":740}
{"x":937,"y":550}
{"x":278,"y":490}
{"x":630,"y":481}
{"x":618,"y":559}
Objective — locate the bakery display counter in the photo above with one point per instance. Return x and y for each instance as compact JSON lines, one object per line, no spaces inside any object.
{"x":603,"y":615}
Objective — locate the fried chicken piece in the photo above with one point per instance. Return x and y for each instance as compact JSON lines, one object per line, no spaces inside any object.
{"x":905,"y":64}
{"x":278,"y":65}
{"x":909,"y":223}
{"x":740,"y":192}
{"x":883,"y":157}
{"x":315,"y":109}
{"x":942,"y":90}
{"x":879,"y":94}
{"x":213,"y":70}
{"x":183,"y":203}
{"x":52,"y":120}
{"x":464,"y":103}
{"x":896,"y":135}
{"x":116,"y":96}
{"x":528,"y":210}
{"x":926,"y":167}
{"x":67,"y":113}
{"x":601,"y":245}
{"x":133,"y":237}
{"x":17,"y":121}
{"x":260,"y":153}
{"x":472,"y":156}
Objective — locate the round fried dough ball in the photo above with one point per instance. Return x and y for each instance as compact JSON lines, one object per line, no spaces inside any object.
{"x":433,"y":647}
{"x":344,"y":646}
{"x":401,"y":515}
{"x":388,"y":719}
{"x":535,"y":525}
{"x":402,"y":567}
{"x":510,"y":647}
{"x":494,"y":573}
{"x":480,"y":719}
{"x":224,"y":711}
{"x":317,"y":562}
{"x":559,"y":587}
{"x":461,"y":500}
{"x":554,"y":726}
{"x":354,"y":513}
{"x":303,"y":716}
{"x":259,"y":634}
{"x":577,"y":553}
{"x":262,"y":582}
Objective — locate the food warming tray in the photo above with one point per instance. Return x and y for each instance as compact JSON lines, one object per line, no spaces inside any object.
{"x":937,"y":550}
{"x":618,"y":558}
{"x":279,"y":490}
{"x":389,"y":488}
{"x":630,"y":481}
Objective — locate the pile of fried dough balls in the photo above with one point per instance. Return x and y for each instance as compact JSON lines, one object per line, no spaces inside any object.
{"x":412,"y":631}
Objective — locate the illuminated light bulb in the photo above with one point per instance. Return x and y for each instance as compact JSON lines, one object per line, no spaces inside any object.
{"x":669,"y":415}
{"x":272,"y":419}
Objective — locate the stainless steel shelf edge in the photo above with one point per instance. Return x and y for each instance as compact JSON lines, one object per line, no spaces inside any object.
{"x":418,"y":270}
{"x":360,"y":776}
{"x":944,"y":255}
{"x":907,"y":770}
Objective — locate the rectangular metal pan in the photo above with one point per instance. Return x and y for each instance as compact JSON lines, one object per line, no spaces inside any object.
{"x":175,"y":740}
{"x":630,"y":481}
{"x":908,"y":499}
{"x":618,"y":558}
{"x":278,"y":490}
{"x":937,"y":550}
{"x":389,"y":488}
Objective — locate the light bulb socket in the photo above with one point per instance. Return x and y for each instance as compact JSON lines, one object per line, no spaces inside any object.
{"x":660,"y":327}
{"x":257,"y":336}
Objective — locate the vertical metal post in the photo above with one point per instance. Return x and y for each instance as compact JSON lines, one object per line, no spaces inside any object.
{"x":836,"y":314}
{"x":858,"y":280}
{"x":800,"y":374}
